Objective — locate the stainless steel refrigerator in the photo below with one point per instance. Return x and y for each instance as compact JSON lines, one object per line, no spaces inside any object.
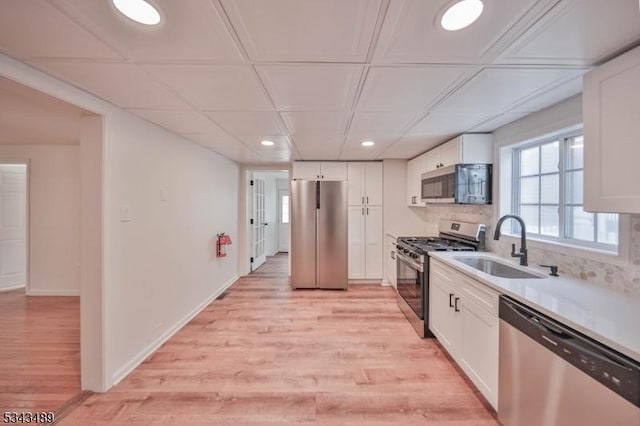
{"x":319,"y":252}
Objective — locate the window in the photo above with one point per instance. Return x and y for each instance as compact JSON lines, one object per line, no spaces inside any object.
{"x":548,"y":194}
{"x":284,"y":209}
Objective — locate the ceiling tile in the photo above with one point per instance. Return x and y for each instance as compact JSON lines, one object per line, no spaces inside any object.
{"x":231,"y":87}
{"x":551,"y":96}
{"x":311,"y":87}
{"x":190,"y":30}
{"x":256,"y":124}
{"x":304,"y":30}
{"x":411,"y":146}
{"x":35,"y":29}
{"x":407,"y":88}
{"x":578,"y":33}
{"x":318,"y":146}
{"x":494,"y":90}
{"x":374,"y":125}
{"x":411,"y":32}
{"x":441,"y":125}
{"x":353,"y":149}
{"x":331,"y":122}
{"x":120,"y":83}
{"x":501,"y":120}
{"x":179,"y":121}
{"x":225,"y":146}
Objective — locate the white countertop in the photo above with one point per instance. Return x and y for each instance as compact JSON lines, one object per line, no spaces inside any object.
{"x":606,"y":315}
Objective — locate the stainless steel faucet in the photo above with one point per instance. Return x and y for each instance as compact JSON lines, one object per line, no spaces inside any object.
{"x":522,"y":254}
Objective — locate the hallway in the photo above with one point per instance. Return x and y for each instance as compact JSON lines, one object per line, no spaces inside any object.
{"x":274,"y":266}
{"x":263,"y":354}
{"x":39,"y":351}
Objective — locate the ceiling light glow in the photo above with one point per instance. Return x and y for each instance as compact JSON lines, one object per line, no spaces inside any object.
{"x":267,"y":143}
{"x":461,"y":14}
{"x":139,"y":11}
{"x":368,"y":143}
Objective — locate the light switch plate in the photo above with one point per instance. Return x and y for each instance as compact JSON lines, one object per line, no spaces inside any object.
{"x":163,"y":194}
{"x":125,"y":213}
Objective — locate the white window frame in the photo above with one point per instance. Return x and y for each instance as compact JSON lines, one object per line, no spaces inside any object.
{"x":505,"y":186}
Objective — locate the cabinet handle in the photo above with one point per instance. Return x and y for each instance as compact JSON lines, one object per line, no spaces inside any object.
{"x":363,"y":211}
{"x":455,"y":304}
{"x":367,"y":200}
{"x":450,"y":301}
{"x":393,"y":255}
{"x":322,"y":176}
{"x":367,"y":211}
{"x":318,"y":176}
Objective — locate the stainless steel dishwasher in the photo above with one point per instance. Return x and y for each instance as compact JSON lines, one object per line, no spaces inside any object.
{"x":550,"y":374}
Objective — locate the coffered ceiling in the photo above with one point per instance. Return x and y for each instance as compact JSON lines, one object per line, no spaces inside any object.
{"x":318,"y":77}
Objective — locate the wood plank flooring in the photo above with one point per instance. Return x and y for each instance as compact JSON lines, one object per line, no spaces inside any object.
{"x":39,"y":351}
{"x":264,"y":354}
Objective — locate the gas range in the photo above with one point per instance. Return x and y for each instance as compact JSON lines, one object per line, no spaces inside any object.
{"x":412,"y":254}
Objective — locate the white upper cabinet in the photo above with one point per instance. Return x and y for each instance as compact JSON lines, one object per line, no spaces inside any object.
{"x":611,"y":114}
{"x":415,"y":168}
{"x":365,"y":183}
{"x":315,"y":170}
{"x":467,"y":148}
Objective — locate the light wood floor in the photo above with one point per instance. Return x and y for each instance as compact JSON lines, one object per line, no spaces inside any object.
{"x":39,"y":351}
{"x":264,"y":354}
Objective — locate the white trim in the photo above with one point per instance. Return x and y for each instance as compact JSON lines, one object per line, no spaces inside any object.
{"x":124,"y":371}
{"x":63,"y":292}
{"x":386,"y":283}
{"x":366,"y":281}
{"x":15,"y":287}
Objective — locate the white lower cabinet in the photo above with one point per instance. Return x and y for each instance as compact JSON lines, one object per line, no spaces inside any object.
{"x":365,"y":242}
{"x":463,"y":315}
{"x":390,"y":260}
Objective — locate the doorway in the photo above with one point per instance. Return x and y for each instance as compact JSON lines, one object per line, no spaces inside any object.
{"x":268,"y":217}
{"x":13,"y":226}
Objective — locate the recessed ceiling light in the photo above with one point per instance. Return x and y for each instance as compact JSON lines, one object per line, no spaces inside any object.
{"x":461,"y":14}
{"x":139,"y":11}
{"x":368,"y":143}
{"x":267,"y":143}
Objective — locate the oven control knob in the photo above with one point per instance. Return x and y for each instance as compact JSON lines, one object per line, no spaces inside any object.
{"x":405,"y":250}
{"x":414,"y":256}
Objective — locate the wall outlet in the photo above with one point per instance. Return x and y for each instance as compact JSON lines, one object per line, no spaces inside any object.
{"x":163,"y":194}
{"x":125,"y":213}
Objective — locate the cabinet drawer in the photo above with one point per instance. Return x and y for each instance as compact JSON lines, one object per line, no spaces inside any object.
{"x":482,"y":295}
{"x":444,"y":274}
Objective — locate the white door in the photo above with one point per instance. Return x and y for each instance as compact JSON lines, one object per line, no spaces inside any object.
{"x":373,"y":173}
{"x":283,"y":220}
{"x":373,"y":242}
{"x":356,"y":242}
{"x":355,"y":176}
{"x":13,"y":192}
{"x":258,"y":224}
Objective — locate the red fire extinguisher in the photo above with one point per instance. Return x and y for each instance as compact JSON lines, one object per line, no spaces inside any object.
{"x":221,"y":244}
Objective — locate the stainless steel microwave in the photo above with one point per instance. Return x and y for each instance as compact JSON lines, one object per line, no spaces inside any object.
{"x":459,"y":184}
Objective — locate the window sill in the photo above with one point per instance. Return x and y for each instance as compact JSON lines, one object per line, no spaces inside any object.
{"x":621,"y":258}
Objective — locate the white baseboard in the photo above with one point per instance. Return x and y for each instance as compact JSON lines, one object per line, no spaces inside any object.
{"x":14,"y":287}
{"x":123,"y":372}
{"x":386,"y":283}
{"x":365,"y":281}
{"x":62,"y":292}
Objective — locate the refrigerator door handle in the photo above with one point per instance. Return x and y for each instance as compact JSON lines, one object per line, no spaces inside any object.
{"x":317,"y":195}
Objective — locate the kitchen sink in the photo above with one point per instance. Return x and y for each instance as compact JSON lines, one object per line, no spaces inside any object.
{"x":497,"y":269}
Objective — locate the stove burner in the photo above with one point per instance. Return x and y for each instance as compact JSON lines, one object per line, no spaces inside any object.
{"x":426,"y":244}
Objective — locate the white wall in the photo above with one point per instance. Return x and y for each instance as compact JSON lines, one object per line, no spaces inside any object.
{"x":161,"y":266}
{"x":152,"y":274}
{"x":54,"y":223}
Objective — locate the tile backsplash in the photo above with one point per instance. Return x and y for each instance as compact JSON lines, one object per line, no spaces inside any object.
{"x":623,"y":276}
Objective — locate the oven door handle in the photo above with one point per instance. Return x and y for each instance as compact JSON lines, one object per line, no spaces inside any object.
{"x":411,"y":263}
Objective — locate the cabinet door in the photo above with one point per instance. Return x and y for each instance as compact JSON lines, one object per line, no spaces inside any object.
{"x":478,"y":351}
{"x":356,"y":178}
{"x":374,"y":244}
{"x":356,"y":242}
{"x":432,"y":159}
{"x":450,"y":153}
{"x":414,"y":176}
{"x":611,"y":107}
{"x":333,"y":171}
{"x":306,"y":170}
{"x":391,"y":262}
{"x":443,"y":320}
{"x":373,"y":184}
